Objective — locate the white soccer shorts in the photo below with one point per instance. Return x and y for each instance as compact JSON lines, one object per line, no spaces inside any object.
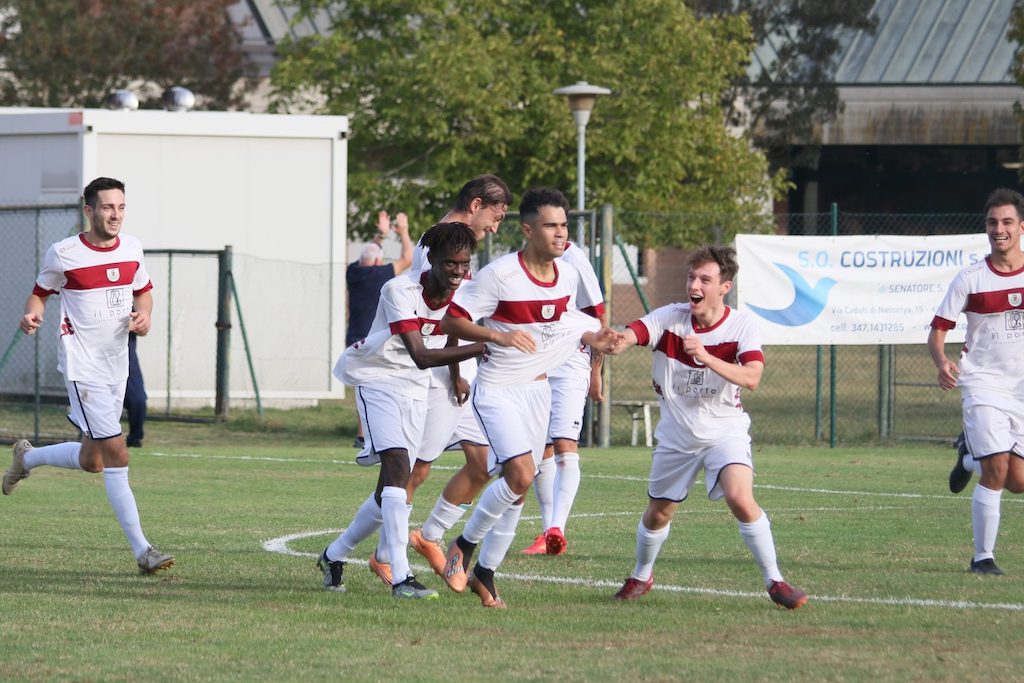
{"x":448,"y":424}
{"x":568,"y":399}
{"x":514,"y":419}
{"x":993,"y":424}
{"x":390,"y":420}
{"x":96,"y":408}
{"x":673,"y":472}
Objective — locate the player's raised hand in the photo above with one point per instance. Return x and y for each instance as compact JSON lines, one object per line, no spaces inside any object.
{"x":384,"y":223}
{"x":517,"y":339}
{"x":30,"y":322}
{"x":139,"y":322}
{"x":693,"y":346}
{"x":402,"y":223}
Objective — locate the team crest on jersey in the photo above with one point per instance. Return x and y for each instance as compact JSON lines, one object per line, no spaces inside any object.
{"x":1014,"y":298}
{"x":114,"y":274}
{"x":547,"y":311}
{"x":428,"y":328}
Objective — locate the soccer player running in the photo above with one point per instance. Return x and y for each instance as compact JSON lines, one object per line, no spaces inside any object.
{"x":704,"y":353}
{"x":390,"y":370}
{"x":558,"y":477}
{"x":991,"y":372}
{"x":527,"y":304}
{"x":100,"y":275}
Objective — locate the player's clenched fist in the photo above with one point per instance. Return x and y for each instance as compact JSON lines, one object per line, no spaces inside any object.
{"x":30,"y":322}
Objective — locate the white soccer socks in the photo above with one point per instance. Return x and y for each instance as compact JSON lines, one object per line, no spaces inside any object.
{"x":758,"y":537}
{"x":395,"y":530}
{"x":544,"y":489}
{"x":648,"y":545}
{"x":367,"y":520}
{"x":63,"y":455}
{"x":495,"y":501}
{"x":499,"y":539}
{"x":442,"y":518}
{"x":122,"y":500}
{"x":567,"y":483}
{"x":985,"y":521}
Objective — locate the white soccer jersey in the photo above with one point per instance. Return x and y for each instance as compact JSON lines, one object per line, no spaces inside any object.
{"x":698,"y":407}
{"x":589,"y":300}
{"x":993,"y":355}
{"x":97,"y":287}
{"x":381,"y":359}
{"x":507,"y":297}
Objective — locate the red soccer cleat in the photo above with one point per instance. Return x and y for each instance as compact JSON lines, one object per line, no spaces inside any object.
{"x":784,"y":595}
{"x":554,"y":541}
{"x":634,"y":588}
{"x":538,"y":547}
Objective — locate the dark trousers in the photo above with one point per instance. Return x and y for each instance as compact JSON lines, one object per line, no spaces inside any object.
{"x":135,"y":395}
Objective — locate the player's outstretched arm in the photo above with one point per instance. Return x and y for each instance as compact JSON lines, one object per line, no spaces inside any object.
{"x":33,"y":318}
{"x":948,"y":370}
{"x":602,"y":341}
{"x":463,"y":328}
{"x":431,"y":358}
{"x":623,"y":341}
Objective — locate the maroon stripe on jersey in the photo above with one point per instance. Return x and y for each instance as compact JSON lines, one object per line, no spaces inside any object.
{"x":99,"y":277}
{"x":594,"y":311}
{"x":405,"y":326}
{"x":457,"y":311}
{"x":90,"y":245}
{"x":643,"y":336}
{"x":750,"y":356}
{"x":418,"y":325}
{"x":539,"y":283}
{"x":995,"y":302}
{"x":943,"y":324}
{"x":672,"y":346}
{"x":149,"y":286}
{"x":522,"y":312}
{"x":42,"y":292}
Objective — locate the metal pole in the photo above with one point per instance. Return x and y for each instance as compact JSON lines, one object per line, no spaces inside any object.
{"x":223,"y":333}
{"x":38,"y":403}
{"x":883,"y":391}
{"x":832,"y":356}
{"x":170,"y":326}
{"x":581,"y":178}
{"x":819,"y":377}
{"x":607,"y":240}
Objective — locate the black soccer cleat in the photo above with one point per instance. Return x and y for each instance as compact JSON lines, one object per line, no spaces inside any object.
{"x":959,"y":475}
{"x":986,"y":566}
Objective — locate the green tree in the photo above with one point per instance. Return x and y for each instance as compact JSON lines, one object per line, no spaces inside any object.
{"x":1015,"y":34}
{"x":790,"y":92}
{"x":441,"y":90}
{"x":72,"y":53}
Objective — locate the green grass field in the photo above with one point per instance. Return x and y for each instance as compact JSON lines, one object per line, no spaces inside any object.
{"x":872,"y":534}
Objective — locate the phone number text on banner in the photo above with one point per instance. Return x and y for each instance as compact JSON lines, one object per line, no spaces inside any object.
{"x":871,"y":289}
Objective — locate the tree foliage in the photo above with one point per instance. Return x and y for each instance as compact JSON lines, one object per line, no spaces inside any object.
{"x":439,"y":91}
{"x":791,"y":92}
{"x":1015,"y":34}
{"x":72,"y":53}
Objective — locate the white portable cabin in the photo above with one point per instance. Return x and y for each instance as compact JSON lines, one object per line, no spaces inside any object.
{"x":273,"y":187}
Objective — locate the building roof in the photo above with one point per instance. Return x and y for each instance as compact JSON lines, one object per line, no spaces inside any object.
{"x":923,"y":42}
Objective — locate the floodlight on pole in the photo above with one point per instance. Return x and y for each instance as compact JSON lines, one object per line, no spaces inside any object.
{"x":582,"y":97}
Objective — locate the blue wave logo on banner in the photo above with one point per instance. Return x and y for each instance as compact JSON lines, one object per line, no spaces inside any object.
{"x":807,"y":305}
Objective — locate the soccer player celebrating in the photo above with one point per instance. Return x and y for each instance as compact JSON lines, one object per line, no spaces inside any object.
{"x":704,"y":353}
{"x":390,"y":372}
{"x":101,"y":276}
{"x":558,"y":477}
{"x":527,"y":304}
{"x":991,"y":372}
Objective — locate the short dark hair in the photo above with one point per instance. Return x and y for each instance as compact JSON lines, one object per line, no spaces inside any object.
{"x":725,"y":257}
{"x":536,"y":197}
{"x":93,"y":189}
{"x":489,"y":188}
{"x":448,"y":238}
{"x":1004,"y":196}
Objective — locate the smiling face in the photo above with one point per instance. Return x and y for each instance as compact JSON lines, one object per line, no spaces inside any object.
{"x":1003,"y":226}
{"x":450,"y":269}
{"x":106,"y":218}
{"x":706,"y":292}
{"x":485,"y":218}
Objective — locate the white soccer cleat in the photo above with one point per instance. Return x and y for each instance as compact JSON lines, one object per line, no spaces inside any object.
{"x":16,"y":472}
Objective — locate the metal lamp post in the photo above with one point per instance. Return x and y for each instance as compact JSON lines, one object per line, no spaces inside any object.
{"x":581,"y":97}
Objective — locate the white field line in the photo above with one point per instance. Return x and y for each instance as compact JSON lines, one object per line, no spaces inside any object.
{"x":280,"y":545}
{"x":766,"y":487}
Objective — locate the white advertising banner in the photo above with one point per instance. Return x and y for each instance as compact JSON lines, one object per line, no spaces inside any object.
{"x":859,"y":289}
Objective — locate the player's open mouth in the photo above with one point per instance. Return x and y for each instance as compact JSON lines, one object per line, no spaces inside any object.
{"x":696,"y":298}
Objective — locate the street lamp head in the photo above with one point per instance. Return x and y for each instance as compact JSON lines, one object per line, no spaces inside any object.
{"x":582,"y":97}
